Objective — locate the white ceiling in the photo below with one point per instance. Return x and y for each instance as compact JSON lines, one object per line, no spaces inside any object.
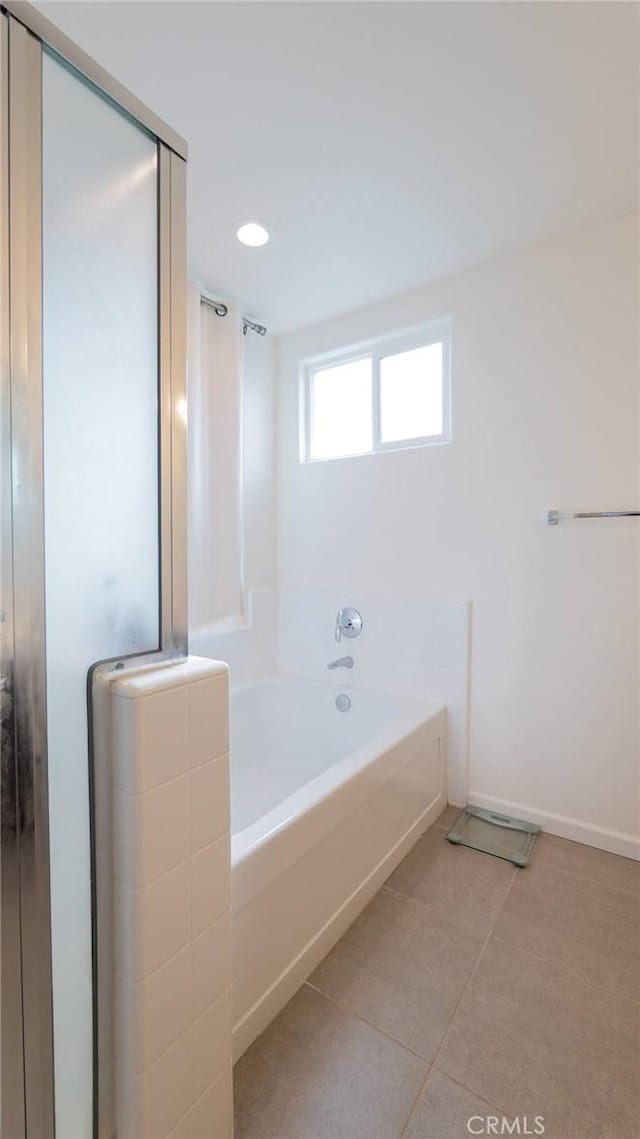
{"x":383,"y":144}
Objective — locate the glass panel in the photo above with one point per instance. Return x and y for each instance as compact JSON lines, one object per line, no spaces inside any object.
{"x":341,"y":410}
{"x":101,"y":491}
{"x":411,"y":394}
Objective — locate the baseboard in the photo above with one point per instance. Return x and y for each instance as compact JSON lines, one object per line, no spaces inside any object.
{"x":616,"y":842}
{"x":283,"y":988}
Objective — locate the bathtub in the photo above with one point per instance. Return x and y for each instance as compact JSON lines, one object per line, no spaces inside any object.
{"x":324,"y":804}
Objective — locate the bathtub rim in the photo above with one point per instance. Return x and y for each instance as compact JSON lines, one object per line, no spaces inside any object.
{"x":267,"y":847}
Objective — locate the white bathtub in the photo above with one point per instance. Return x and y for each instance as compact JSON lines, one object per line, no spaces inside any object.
{"x":324,"y":804}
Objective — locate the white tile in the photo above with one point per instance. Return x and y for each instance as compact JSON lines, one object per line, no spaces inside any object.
{"x":161,"y":676}
{"x":453,"y":689}
{"x":457,"y":716}
{"x":127,"y":931}
{"x":210,"y":872}
{"x":451,"y":651}
{"x":457,"y":768}
{"x":165,"y":828}
{"x":126,"y":854}
{"x":127,"y":1037}
{"x":199,"y":668}
{"x":210,"y":965}
{"x":125,"y":743}
{"x":208,"y":719}
{"x":152,"y":924}
{"x":209,"y":802}
{"x":129,"y":1093}
{"x":167,"y":1090}
{"x":210,"y":1038}
{"x":162,"y":1005}
{"x":154,"y":678}
{"x":212,"y":1116}
{"x":162,"y":726}
{"x":402,"y":676}
{"x":454,"y":681}
{"x":306,"y":624}
{"x":452,"y":618}
{"x":158,"y":837}
{"x":173,"y":792}
{"x":397,"y":619}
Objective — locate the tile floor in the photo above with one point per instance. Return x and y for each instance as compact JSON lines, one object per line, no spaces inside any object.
{"x":466,"y":988}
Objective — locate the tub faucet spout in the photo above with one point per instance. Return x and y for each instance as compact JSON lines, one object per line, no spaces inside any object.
{"x":342,"y":662}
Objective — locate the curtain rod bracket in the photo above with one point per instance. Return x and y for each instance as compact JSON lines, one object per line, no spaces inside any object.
{"x":221,"y":309}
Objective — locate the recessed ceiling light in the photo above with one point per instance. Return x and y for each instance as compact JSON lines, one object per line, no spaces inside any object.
{"x":252,"y":233}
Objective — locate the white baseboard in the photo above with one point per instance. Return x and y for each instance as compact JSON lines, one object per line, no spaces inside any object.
{"x":275,"y":998}
{"x":616,"y":842}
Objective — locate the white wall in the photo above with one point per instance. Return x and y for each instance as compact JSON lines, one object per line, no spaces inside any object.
{"x":545,"y":414}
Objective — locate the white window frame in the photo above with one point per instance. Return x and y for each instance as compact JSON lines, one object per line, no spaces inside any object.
{"x":419,"y":336}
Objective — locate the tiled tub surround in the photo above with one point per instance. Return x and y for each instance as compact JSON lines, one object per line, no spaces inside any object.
{"x":251,"y":648}
{"x":324,"y":805}
{"x":172,"y":985}
{"x":465,"y":988}
{"x":407,"y":647}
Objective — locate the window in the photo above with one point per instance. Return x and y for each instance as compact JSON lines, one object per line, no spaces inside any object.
{"x":379,"y":396}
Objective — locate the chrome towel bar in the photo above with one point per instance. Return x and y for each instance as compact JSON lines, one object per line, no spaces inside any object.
{"x":554,"y":516}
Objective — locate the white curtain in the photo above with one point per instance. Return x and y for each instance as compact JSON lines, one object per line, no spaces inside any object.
{"x":215,"y":347}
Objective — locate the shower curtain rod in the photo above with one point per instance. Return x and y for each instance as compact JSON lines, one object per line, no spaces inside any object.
{"x":221,"y":309}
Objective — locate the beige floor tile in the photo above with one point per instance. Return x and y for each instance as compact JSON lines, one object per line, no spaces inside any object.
{"x":591,"y":929}
{"x":448,"y":817}
{"x":445,"y":1108}
{"x":534,"y":1040}
{"x":622,"y":874}
{"x":403,"y":967}
{"x":469,"y":887}
{"x":320,"y":1073}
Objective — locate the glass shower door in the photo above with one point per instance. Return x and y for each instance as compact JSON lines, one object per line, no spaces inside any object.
{"x":101,"y":492}
{"x":92,"y":532}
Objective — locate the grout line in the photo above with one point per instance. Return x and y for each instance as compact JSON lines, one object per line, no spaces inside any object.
{"x":431,"y":1062}
{"x":171,"y":779}
{"x":120,"y":882}
{"x":484,"y":1099}
{"x":504,"y":900}
{"x":553,"y":963}
{"x":470,"y":1091}
{"x":488,"y":938}
{"x":185,"y":1031}
{"x":446,"y":1033}
{"x":200,"y":1098}
{"x":455,"y":1011}
{"x":369,"y":1023}
{"x":550,"y":961}
{"x":436,"y":912}
{"x":586,"y":877}
{"x":191,"y":938}
{"x":633,"y":898}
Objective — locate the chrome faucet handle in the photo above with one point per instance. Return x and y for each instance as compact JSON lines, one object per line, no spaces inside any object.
{"x":348,"y":623}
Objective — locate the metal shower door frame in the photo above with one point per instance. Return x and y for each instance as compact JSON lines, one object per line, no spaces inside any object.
{"x":27,"y":1076}
{"x":11,"y":1034}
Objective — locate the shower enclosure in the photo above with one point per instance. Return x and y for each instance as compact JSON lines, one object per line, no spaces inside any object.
{"x":93,"y":568}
